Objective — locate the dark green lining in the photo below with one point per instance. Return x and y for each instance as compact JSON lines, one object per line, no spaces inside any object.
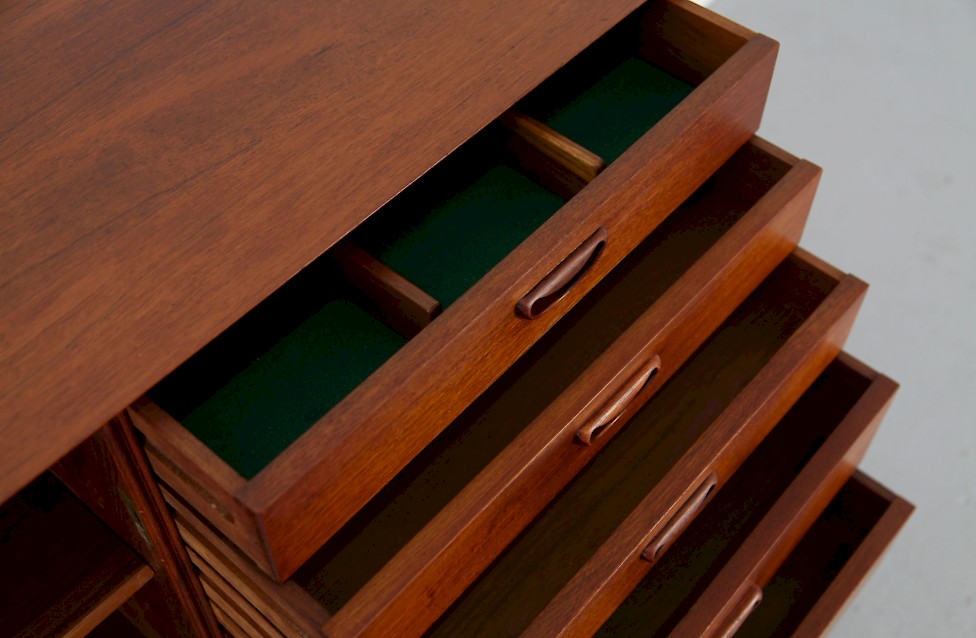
{"x":251,"y":417}
{"x":446,"y":244}
{"x":610,"y":114}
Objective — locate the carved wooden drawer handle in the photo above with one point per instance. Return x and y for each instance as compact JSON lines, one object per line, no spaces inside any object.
{"x":558,"y":282}
{"x":673,"y":529}
{"x":738,"y":615}
{"x":616,"y":404}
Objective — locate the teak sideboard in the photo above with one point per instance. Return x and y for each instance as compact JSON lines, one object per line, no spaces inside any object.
{"x":417,"y":319}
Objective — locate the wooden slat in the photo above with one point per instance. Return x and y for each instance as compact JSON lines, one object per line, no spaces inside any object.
{"x":558,"y":162}
{"x":234,"y":605}
{"x":288,"y":607}
{"x":403,"y":305}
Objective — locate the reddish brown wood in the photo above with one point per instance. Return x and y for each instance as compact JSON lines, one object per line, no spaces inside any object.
{"x":109,"y":473}
{"x":290,"y":609}
{"x":430,"y":570}
{"x":557,"y":284}
{"x":800,"y":504}
{"x":610,"y":412}
{"x":63,"y":570}
{"x":558,"y":162}
{"x":667,"y":451}
{"x":230,"y":625}
{"x":843,"y":546}
{"x":237,"y":608}
{"x":447,"y":366}
{"x":700,"y":40}
{"x":165,"y":166}
{"x":682,"y":518}
{"x":400,"y":303}
{"x":747,"y":600}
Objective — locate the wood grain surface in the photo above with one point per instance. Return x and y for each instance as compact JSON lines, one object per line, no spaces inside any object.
{"x":823,"y":573}
{"x":759,"y":517}
{"x":165,"y":166}
{"x":469,"y":489}
{"x":431,"y":379}
{"x":583,"y":555}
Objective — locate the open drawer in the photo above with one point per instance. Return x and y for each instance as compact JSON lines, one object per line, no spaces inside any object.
{"x":497,"y":465}
{"x":621,"y":513}
{"x":825,"y":570}
{"x":713,"y":577}
{"x":738,"y":383}
{"x":286,"y":425}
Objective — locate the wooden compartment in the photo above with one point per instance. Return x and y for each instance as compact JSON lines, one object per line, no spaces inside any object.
{"x":620,"y":514}
{"x":284,"y":503}
{"x":407,"y":553}
{"x":491,"y":471}
{"x":63,"y":570}
{"x":823,"y":573}
{"x":753,"y":366}
{"x":712,"y":578}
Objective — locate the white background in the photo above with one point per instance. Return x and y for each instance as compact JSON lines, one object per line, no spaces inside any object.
{"x":882,"y":95}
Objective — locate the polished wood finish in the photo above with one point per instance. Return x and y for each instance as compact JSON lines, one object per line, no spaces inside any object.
{"x":700,"y":588}
{"x":400,"y":303}
{"x":557,"y":284}
{"x":559,"y":163}
{"x":235,"y":607}
{"x":825,"y":570}
{"x":63,"y":570}
{"x":165,"y":166}
{"x":586,"y":548}
{"x":110,"y":474}
{"x":169,"y":169}
{"x":293,"y":612}
{"x":286,"y":512}
{"x":676,"y":288}
{"x":806,"y":497}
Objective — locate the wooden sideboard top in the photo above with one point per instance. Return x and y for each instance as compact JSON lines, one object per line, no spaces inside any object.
{"x":164,"y":166}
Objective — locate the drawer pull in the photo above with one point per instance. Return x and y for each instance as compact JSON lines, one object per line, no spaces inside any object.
{"x":558,"y":282}
{"x":616,"y":405}
{"x":749,"y":601}
{"x":673,"y":529}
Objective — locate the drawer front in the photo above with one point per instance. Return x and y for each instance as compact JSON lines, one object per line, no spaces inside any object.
{"x":407,"y":553}
{"x":620,"y":515}
{"x":713,"y":577}
{"x":823,"y":573}
{"x":516,"y":457}
{"x":421,"y":374}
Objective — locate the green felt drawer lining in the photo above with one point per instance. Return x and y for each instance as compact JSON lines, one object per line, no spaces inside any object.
{"x":443,"y":234}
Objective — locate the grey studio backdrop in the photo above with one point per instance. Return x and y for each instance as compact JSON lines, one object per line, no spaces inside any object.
{"x":883,"y":96}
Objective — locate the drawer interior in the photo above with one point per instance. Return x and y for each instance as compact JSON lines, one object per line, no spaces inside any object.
{"x":673,"y":585}
{"x":268,"y":379}
{"x":255,"y":389}
{"x":259,"y":386}
{"x":493,"y":421}
{"x":861,"y":520}
{"x":613,"y":93}
{"x":533,"y":569}
{"x":454,"y":224}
